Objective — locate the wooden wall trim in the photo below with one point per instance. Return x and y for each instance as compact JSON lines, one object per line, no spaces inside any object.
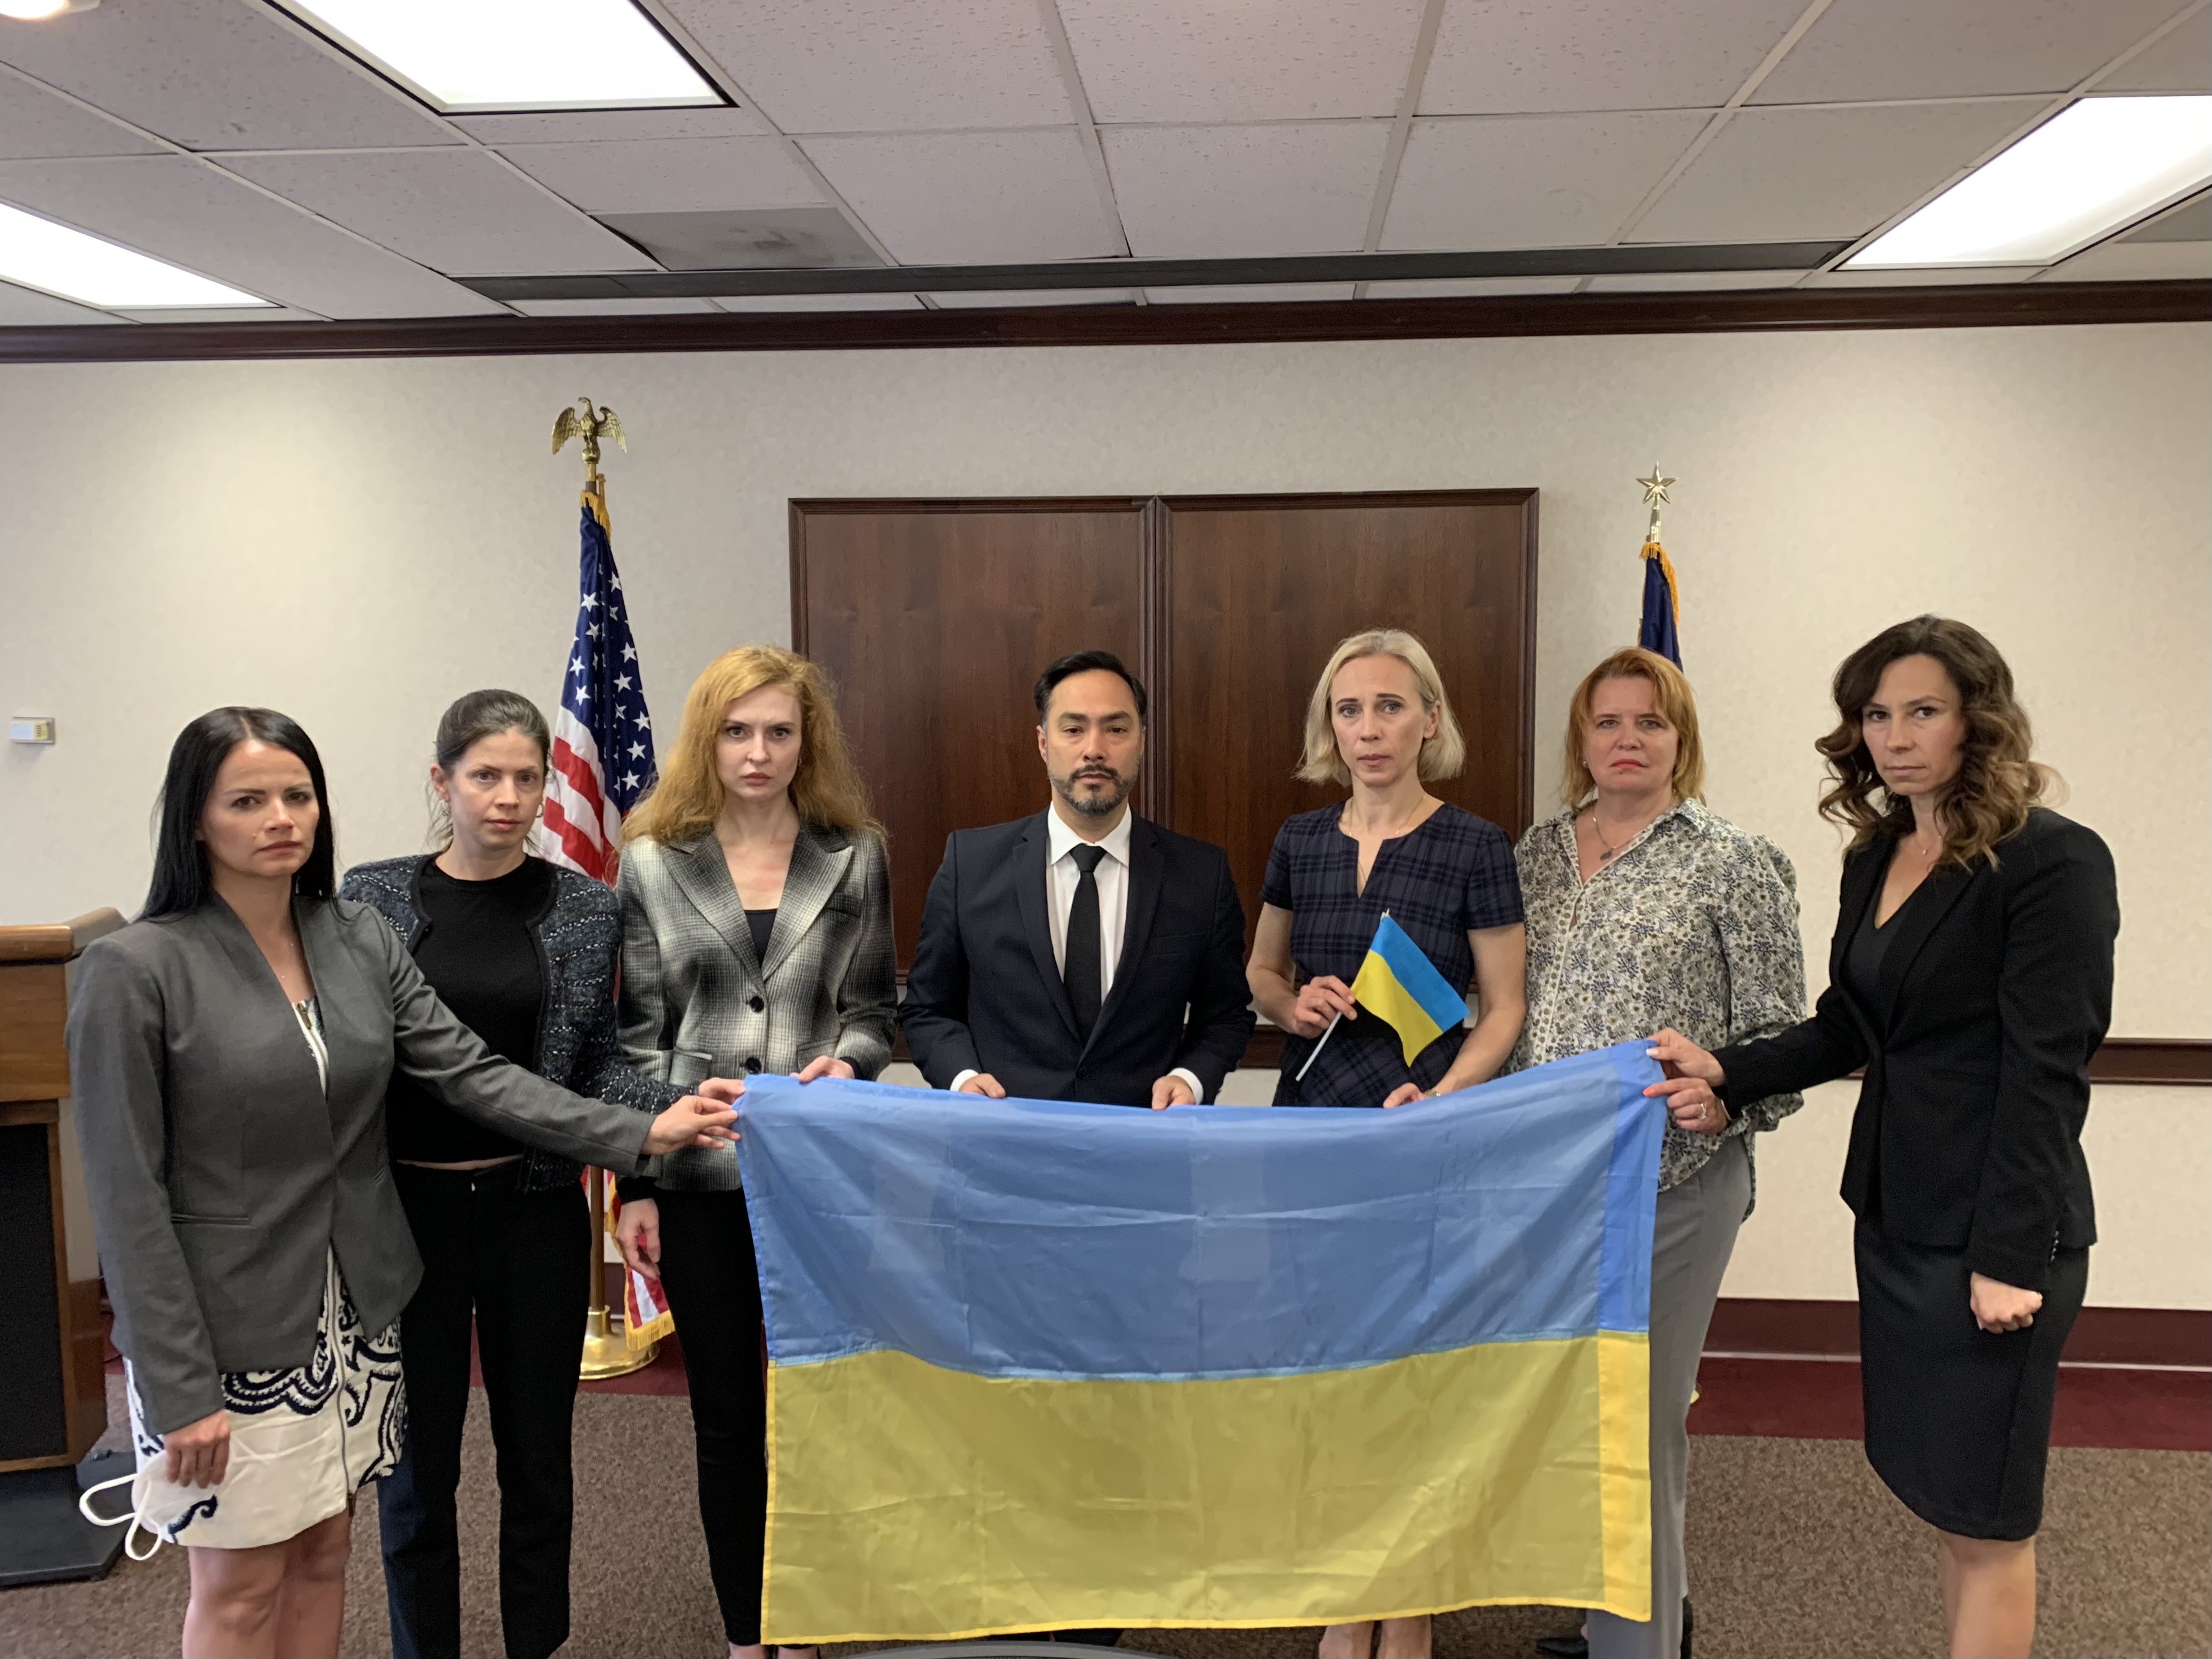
{"x":2157,"y":1061}
{"x":2153,"y":1059}
{"x":1775,"y":1327}
{"x":2012,"y":305}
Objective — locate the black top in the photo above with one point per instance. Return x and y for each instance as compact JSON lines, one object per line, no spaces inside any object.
{"x":1450,"y":875}
{"x":477,"y":949}
{"x":1994,"y":988}
{"x":985,"y":994}
{"x":1870,"y":944}
{"x":761,"y":924}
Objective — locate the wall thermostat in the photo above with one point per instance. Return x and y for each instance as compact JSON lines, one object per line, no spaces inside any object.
{"x":31,"y":728}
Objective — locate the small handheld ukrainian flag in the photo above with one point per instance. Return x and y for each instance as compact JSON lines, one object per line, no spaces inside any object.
{"x":1399,"y":986}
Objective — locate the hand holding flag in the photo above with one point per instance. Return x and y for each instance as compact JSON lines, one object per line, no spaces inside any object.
{"x":1399,"y":986}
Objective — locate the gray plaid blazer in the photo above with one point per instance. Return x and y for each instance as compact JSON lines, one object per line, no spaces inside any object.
{"x":695,"y":1001}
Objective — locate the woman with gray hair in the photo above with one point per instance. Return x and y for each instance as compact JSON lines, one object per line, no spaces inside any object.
{"x":1378,"y":720}
{"x":525,"y":953}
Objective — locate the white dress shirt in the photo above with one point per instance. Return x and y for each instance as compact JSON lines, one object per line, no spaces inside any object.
{"x":1062,"y":876}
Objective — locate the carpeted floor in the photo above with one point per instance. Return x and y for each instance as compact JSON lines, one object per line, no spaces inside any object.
{"x":1795,"y":1548}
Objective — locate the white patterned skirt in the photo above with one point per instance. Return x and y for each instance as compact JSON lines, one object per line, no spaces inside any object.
{"x":303,"y":1440}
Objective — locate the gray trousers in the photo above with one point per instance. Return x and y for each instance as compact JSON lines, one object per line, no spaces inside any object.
{"x":1692,"y":1236}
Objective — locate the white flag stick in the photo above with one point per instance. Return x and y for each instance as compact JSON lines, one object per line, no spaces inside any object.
{"x":1319,"y":1044}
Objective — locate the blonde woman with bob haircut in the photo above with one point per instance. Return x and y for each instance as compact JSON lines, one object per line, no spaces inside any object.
{"x":1647,"y":909}
{"x":1379,"y":722}
{"x":756,"y":937}
{"x":1971,"y":975}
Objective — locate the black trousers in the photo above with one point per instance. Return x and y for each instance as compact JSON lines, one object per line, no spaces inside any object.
{"x":518,"y":1265}
{"x":713,"y":1283}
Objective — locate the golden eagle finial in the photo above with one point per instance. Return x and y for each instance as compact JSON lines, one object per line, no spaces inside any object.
{"x":590,"y":425}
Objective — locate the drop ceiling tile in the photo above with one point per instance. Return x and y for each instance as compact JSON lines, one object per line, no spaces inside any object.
{"x":885,"y":65}
{"x":1504,"y":57}
{"x":1779,"y":175}
{"x":202,"y":219}
{"x":455,"y":210}
{"x":2184,"y":222}
{"x":26,"y":307}
{"x":1945,"y":277}
{"x":1229,"y":60}
{"x":990,"y":299}
{"x":972,"y":197}
{"x":1238,"y":293}
{"x":1222,"y":192}
{"x":818,"y":302}
{"x":34,"y":122}
{"x":1460,"y":288}
{"x":2182,"y":61}
{"x":608,"y":308}
{"x":216,"y":74}
{"x":1957,"y":48}
{"x":670,"y":175}
{"x":584,"y":126}
{"x":2129,"y":262}
{"x":1674,"y":281}
{"x":1530,"y":180}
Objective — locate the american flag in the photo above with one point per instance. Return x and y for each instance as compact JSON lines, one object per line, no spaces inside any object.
{"x":602,"y":763}
{"x":603,"y":738}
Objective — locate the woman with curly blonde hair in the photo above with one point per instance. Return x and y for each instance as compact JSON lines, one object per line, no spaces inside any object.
{"x":1972,"y":975}
{"x":756,"y":937}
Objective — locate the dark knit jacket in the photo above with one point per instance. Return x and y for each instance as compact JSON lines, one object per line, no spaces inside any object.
{"x":579,"y":946}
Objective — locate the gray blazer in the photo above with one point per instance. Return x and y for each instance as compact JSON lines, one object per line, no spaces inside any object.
{"x":696,"y":1003}
{"x":222,"y":1172}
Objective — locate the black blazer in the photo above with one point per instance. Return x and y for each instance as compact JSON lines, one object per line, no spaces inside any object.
{"x":984,"y":994}
{"x":1995,"y":990}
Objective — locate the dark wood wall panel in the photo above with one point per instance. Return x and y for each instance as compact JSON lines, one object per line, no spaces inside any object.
{"x":1255,"y":591}
{"x":935,"y":618}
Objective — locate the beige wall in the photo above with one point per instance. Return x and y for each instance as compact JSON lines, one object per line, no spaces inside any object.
{"x":357,"y":543}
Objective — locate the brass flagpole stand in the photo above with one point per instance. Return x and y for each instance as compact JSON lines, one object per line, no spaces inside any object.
{"x":607,"y":1350}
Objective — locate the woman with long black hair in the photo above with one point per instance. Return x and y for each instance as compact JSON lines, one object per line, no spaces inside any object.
{"x":229,"y":1054}
{"x":525,"y":953}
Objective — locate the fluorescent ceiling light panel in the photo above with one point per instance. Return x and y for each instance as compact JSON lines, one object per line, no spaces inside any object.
{"x":39,"y":253}
{"x":515,"y":54}
{"x":2091,"y":168}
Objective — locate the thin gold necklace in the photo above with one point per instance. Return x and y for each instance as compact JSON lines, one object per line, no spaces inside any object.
{"x":1607,"y":851}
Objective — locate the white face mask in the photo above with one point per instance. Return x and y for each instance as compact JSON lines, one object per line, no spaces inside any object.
{"x":134,"y":1517}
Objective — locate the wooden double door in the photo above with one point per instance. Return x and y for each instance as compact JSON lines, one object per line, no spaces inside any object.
{"x":935,"y":618}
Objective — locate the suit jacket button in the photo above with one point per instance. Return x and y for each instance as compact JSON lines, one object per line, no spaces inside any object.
{"x":752,"y":1063}
{"x":756,"y":1003}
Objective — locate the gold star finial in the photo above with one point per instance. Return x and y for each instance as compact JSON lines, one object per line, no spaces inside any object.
{"x":1656,"y":488}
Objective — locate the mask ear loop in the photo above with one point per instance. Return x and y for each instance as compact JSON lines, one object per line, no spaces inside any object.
{"x":134,"y":1518}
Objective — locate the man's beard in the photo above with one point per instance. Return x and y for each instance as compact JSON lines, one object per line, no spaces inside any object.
{"x":1094,"y":805}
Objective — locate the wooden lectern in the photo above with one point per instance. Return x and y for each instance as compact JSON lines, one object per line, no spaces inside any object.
{"x":53,"y":1399}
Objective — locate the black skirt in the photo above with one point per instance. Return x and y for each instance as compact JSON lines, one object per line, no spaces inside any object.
{"x":1958,"y":1419}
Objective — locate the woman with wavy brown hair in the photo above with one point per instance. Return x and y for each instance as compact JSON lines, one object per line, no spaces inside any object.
{"x":1972,"y":975}
{"x":756,"y":937}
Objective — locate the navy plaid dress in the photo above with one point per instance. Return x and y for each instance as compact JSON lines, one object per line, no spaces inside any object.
{"x":1451,"y":876}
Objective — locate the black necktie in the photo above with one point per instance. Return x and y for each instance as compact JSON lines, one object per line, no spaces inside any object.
{"x":1081,"y":971}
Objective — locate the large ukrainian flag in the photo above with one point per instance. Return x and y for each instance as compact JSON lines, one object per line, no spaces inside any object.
{"x":1035,"y":1365}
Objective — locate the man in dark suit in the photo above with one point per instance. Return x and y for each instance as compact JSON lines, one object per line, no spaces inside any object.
{"x":1082,"y":953}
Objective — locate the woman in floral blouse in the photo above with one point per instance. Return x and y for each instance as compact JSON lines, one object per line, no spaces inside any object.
{"x":1646,"y":910}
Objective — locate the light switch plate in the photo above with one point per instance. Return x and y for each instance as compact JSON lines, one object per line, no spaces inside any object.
{"x":31,"y":728}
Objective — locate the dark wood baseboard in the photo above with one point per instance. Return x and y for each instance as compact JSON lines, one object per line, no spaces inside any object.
{"x":1779,"y":1328}
{"x":2003,"y":304}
